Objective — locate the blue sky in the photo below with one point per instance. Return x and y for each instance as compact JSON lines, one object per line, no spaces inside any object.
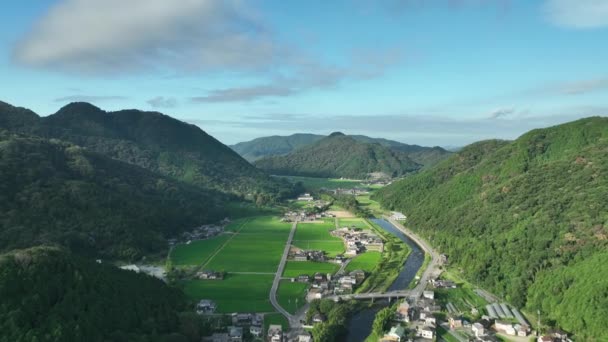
{"x":431,"y":72}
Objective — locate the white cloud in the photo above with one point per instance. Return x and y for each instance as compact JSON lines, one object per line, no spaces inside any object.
{"x":583,"y":14}
{"x":162,"y":102}
{"x":88,"y":36}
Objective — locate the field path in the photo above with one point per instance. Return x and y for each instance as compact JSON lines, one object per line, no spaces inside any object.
{"x":224,"y":245}
{"x":277,"y":279}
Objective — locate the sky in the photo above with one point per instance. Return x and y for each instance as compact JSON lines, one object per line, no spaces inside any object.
{"x":428,"y":72}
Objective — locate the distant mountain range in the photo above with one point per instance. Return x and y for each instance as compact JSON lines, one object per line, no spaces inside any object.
{"x":527,"y":219}
{"x":280,"y":145}
{"x":115,"y":184}
{"x":151,"y":140}
{"x":339,"y":155}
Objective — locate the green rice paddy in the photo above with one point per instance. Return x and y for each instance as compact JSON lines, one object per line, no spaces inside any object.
{"x":366,"y":262}
{"x":290,"y":292}
{"x":196,"y":252}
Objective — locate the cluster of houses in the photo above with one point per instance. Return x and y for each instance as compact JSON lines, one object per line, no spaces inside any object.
{"x":200,"y":233}
{"x":304,"y":216}
{"x":354,"y":192}
{"x":420,"y":318}
{"x":554,"y":335}
{"x":206,"y":307}
{"x":306,"y":197}
{"x":303,"y":255}
{"x":358,"y":241}
{"x":325,"y":284}
{"x":210,"y":275}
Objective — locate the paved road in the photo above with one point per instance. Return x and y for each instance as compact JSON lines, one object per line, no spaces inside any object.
{"x":277,"y":279}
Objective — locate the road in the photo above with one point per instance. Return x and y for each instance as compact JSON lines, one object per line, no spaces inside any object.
{"x":277,"y":279}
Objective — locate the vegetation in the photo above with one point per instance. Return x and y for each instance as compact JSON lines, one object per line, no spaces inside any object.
{"x":196,"y":252}
{"x":292,"y":295}
{"x":367,"y":262}
{"x":152,"y":141}
{"x":337,"y":314}
{"x":383,"y":320}
{"x":274,"y":145}
{"x":339,"y":156}
{"x":516,"y":216}
{"x":281,"y":145}
{"x":314,"y":184}
{"x":296,"y":268}
{"x":316,"y":236}
{"x":53,"y":192}
{"x":48,"y":294}
{"x":236,"y":293}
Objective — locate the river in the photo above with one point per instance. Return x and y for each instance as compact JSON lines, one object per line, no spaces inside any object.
{"x":360,"y":325}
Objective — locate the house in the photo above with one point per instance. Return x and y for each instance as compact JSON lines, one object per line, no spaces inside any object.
{"x":207,"y":274}
{"x":303,"y":278}
{"x":545,"y":338}
{"x":306,"y":197}
{"x":205,"y":306}
{"x":403,"y":311}
{"x":275,"y":333}
{"x":255,"y":330}
{"x":430,"y":320}
{"x":304,"y":338}
{"x":395,"y":334}
{"x":319,"y":318}
{"x":235,"y":334}
{"x":314,"y":294}
{"x":427,"y":332}
{"x":319,"y":276}
{"x":478,"y":329}
{"x":359,"y":275}
{"x":428,"y":294}
{"x":455,"y":322}
{"x":505,"y":327}
{"x":397,"y":216}
{"x":522,"y":329}
{"x":300,"y":257}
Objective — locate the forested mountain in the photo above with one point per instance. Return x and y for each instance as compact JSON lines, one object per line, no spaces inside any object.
{"x":527,"y":219}
{"x":47,"y":294}
{"x":281,"y":145}
{"x":150,"y":140}
{"x":273,"y":146}
{"x":339,"y":155}
{"x":56,"y":192}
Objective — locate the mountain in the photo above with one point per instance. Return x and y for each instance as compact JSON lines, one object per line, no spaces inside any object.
{"x":281,"y":145}
{"x":274,"y":145}
{"x":47,"y":294}
{"x":527,"y":219}
{"x":339,"y":155}
{"x":54,"y":192}
{"x":150,"y":140}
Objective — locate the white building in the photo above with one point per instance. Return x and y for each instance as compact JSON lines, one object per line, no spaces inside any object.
{"x":397,"y":216}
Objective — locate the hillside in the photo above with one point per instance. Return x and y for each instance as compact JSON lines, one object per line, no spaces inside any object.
{"x":339,"y":156}
{"x":56,"y":192}
{"x":47,"y":294}
{"x":281,"y":145}
{"x":523,"y":219}
{"x":150,"y":140}
{"x":274,"y":145}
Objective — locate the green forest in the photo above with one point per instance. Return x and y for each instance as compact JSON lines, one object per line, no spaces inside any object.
{"x":339,"y":156}
{"x":522,"y":218}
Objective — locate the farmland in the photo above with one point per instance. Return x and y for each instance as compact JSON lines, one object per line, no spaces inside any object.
{"x":289,"y":293}
{"x":296,"y":268}
{"x":353,"y":222}
{"x":366,"y":261}
{"x":316,"y":236}
{"x":197,"y":252}
{"x":236,"y":293}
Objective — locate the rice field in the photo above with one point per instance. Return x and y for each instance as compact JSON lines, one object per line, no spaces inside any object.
{"x":316,"y":236}
{"x":196,"y":252}
{"x":366,"y":262}
{"x":292,"y":295}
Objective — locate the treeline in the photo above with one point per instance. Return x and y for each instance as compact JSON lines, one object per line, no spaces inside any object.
{"x":519,"y":216}
{"x":336,"y":319}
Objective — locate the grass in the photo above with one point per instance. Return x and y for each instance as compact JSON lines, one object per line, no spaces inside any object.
{"x":257,"y":247}
{"x":236,"y":293}
{"x":249,"y":253}
{"x":353,"y":222}
{"x":366,"y":262}
{"x":196,"y":252}
{"x":313,"y":183}
{"x":289,"y":292}
{"x":316,"y":231}
{"x":365,"y":202}
{"x":296,"y":268}
{"x":275,"y":318}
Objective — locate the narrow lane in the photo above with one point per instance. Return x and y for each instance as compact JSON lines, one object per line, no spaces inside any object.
{"x":277,"y":278}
